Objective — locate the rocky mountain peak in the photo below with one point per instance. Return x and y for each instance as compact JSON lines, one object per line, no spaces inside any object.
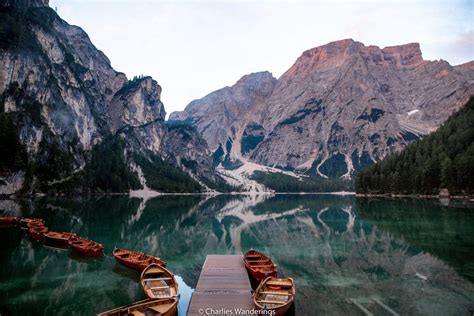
{"x":220,"y":114}
{"x":263,"y":80}
{"x":137,"y":103}
{"x":408,"y":54}
{"x":336,"y":49}
{"x":330,"y":55}
{"x":339,"y":53}
{"x":24,"y":3}
{"x":467,"y":66}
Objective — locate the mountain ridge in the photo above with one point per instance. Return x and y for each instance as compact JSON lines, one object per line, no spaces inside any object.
{"x":65,"y":107}
{"x":340,"y":107}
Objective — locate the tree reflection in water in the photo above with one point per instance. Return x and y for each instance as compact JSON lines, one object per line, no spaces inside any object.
{"x":341,"y":252}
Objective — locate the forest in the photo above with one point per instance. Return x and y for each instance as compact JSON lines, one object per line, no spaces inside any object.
{"x":280,"y":182}
{"x":442,"y":160}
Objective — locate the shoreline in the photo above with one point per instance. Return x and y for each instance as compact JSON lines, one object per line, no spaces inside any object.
{"x":149,"y":194}
{"x":415,"y":196}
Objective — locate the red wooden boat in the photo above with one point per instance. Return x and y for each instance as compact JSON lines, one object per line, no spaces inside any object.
{"x":136,"y":260}
{"x":86,"y":247}
{"x":8,"y":221}
{"x":259,"y":265}
{"x":57,"y":239}
{"x":35,"y":224}
{"x":25,"y":221}
{"x":37,"y":232}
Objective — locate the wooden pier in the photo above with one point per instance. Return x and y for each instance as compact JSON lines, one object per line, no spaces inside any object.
{"x":223,"y":283}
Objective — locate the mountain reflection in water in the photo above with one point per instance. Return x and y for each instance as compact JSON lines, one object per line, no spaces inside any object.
{"x":415,"y":257}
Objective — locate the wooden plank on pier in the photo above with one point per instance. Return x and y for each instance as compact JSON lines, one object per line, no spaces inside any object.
{"x":223,"y":283}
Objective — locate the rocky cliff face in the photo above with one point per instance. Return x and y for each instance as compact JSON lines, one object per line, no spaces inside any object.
{"x":340,"y":107}
{"x":184,"y":146}
{"x":136,"y":109}
{"x":72,"y":112}
{"x":219,"y":116}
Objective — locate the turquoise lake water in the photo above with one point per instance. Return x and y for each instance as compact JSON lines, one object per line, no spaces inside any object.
{"x":414,"y":256}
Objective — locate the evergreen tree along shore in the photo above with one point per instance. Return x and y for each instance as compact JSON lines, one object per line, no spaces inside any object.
{"x":442,"y":160}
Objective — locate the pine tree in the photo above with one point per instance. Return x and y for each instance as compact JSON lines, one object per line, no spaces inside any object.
{"x":443,"y":159}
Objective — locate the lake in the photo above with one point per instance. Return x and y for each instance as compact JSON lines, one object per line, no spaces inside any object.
{"x":414,"y":256}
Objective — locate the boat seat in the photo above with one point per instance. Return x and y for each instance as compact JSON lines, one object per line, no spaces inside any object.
{"x":159,"y":287}
{"x":275,"y":293}
{"x":270,"y":302}
{"x":153,"y":311}
{"x":157,"y":279}
{"x":160,"y":293}
{"x":146,"y":310}
{"x":157,"y":309}
{"x":278,"y":283}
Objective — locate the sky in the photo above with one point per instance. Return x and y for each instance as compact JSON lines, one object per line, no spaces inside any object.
{"x":195,"y":47}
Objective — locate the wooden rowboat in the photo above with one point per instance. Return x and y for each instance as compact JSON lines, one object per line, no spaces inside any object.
{"x":276,"y":294}
{"x":57,"y":239}
{"x":259,"y":265}
{"x":158,"y":283}
{"x":8,"y":221}
{"x":35,"y":224}
{"x":165,"y":307}
{"x":25,"y":221}
{"x":86,"y":247}
{"x":136,"y":260}
{"x":37,"y":232}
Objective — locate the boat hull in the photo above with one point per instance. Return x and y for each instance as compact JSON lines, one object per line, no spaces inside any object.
{"x":166,"y":307}
{"x":259,"y":276}
{"x":281,"y":311}
{"x":89,"y":252}
{"x":37,"y":233}
{"x":259,"y":266}
{"x":86,"y":248}
{"x":58,"y":241}
{"x":158,"y":282}
{"x":270,"y":293}
{"x":26,"y":222}
{"x":34,"y":225}
{"x":8,"y":221}
{"x":138,"y":265}
{"x":132,"y":265}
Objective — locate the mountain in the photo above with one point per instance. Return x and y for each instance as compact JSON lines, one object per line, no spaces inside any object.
{"x":339,"y":108}
{"x":71,"y":123}
{"x":219,"y":115}
{"x":442,"y":160}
